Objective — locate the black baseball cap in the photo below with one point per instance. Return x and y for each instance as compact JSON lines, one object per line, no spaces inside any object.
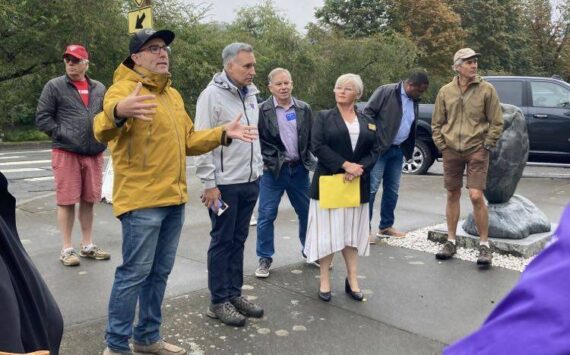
{"x":143,"y":36}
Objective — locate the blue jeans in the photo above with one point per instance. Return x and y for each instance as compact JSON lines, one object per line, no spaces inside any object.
{"x":294,"y":180}
{"x":150,"y":240}
{"x":387,"y":170}
{"x":229,"y":232}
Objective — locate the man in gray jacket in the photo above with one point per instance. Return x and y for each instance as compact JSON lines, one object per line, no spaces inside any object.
{"x":230,"y":177}
{"x":65,"y":112}
{"x":394,"y":107}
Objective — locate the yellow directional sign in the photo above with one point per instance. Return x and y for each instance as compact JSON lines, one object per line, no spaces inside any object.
{"x":139,"y":19}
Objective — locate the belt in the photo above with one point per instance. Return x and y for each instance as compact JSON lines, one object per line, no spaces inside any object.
{"x":291,"y":163}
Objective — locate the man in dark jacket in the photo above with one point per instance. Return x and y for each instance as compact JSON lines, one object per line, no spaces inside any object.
{"x":394,"y":107}
{"x":65,"y":112}
{"x":284,"y":131}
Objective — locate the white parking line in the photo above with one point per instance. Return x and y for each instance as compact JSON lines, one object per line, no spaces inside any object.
{"x":23,"y":170}
{"x":27,"y":152}
{"x":44,"y":178}
{"x":27,"y":162}
{"x":13,"y":157}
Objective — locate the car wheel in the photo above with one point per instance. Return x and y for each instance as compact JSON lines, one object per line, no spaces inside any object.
{"x":422,"y":159}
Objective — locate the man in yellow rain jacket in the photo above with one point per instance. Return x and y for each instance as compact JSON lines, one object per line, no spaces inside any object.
{"x":149,"y":134}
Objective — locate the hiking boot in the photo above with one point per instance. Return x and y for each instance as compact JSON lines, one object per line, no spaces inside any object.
{"x":159,"y":348}
{"x":227,"y":313}
{"x":108,"y":351}
{"x":391,"y":232}
{"x":262,"y":270}
{"x":247,"y":308}
{"x":94,"y":253}
{"x":449,"y":249}
{"x":485,"y":256}
{"x":69,"y":257}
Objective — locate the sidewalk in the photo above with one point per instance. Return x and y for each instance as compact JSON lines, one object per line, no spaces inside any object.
{"x":407,"y":311}
{"x":415,"y":304}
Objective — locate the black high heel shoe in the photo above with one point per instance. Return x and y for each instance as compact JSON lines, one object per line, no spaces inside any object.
{"x":358,"y":296}
{"x":325,"y":296}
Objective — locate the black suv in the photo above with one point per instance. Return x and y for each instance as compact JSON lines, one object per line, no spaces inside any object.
{"x":545,"y":103}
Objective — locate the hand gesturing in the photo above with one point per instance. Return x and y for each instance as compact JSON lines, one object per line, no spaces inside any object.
{"x":134,"y":106}
{"x":236,"y":130}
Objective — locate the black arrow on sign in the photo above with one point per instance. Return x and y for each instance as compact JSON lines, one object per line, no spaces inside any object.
{"x":140,"y":20}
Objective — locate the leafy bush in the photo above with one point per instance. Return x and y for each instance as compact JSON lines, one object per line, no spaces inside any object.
{"x":23,"y":135}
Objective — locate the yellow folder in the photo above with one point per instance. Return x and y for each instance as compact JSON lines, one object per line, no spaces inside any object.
{"x":334,"y":192}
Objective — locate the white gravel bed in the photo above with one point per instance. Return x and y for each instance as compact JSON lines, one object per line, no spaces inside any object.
{"x":417,"y":240}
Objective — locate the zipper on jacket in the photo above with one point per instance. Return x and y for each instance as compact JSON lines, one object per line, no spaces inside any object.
{"x":159,"y":97}
{"x":251,"y":144}
{"x":222,"y":158}
{"x":129,"y":140}
{"x":147,"y":143}
{"x":462,"y":118}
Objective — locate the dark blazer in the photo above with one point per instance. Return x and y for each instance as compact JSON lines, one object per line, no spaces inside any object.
{"x":272,"y":148}
{"x":330,"y":143}
{"x":385,"y":108}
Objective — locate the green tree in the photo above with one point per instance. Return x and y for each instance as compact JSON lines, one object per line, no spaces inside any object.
{"x":33,"y":36}
{"x":549,"y":33}
{"x":433,"y":27}
{"x":496,"y":29}
{"x":430,"y":24}
{"x":356,"y":18}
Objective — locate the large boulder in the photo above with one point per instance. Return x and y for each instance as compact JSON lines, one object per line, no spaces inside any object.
{"x":516,"y":219}
{"x":508,"y":159}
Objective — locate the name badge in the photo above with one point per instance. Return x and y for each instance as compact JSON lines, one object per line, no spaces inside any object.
{"x":291,"y":116}
{"x":372,"y":127}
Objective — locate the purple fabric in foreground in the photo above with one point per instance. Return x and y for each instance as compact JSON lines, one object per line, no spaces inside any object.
{"x":534,"y":318}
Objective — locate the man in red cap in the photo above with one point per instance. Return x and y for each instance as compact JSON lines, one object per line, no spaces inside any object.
{"x":65,"y":112}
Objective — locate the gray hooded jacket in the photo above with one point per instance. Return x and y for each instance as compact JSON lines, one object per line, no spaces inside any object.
{"x":239,"y":162}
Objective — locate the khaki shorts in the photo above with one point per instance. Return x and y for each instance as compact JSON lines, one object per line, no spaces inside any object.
{"x":77,"y":177}
{"x":454,"y":166}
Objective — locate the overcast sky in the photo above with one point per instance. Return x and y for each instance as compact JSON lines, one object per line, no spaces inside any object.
{"x":299,"y":12}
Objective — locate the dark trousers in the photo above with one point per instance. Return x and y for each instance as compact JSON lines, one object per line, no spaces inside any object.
{"x":229,"y":232}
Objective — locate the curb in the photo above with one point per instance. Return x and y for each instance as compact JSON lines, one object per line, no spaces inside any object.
{"x":10,"y":146}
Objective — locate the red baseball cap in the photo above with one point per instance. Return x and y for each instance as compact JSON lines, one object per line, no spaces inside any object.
{"x":77,"y":51}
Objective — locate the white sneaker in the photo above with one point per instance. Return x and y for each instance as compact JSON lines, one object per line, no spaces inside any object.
{"x":253,"y":220}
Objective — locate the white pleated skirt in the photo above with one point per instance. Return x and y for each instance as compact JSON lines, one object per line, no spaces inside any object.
{"x":331,"y":230}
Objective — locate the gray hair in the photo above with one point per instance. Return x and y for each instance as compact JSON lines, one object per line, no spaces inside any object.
{"x":232,"y":50}
{"x":277,"y":71}
{"x":457,"y":63}
{"x":353,"y":79}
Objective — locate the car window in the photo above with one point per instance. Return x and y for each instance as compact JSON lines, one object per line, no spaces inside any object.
{"x":546,"y":94}
{"x":509,"y":91}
